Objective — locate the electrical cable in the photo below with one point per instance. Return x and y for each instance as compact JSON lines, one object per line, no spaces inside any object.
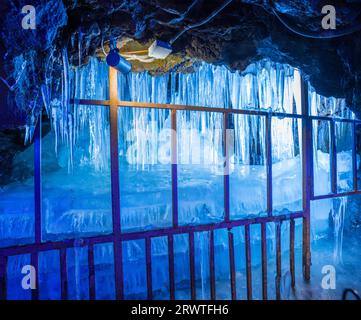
{"x":354,"y":293}
{"x":201,"y":23}
{"x":313,"y":34}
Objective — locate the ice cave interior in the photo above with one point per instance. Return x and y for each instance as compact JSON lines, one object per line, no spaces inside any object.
{"x":76,"y":183}
{"x":93,"y":209}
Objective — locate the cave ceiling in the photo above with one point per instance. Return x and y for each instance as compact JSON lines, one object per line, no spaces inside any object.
{"x":244,"y":32}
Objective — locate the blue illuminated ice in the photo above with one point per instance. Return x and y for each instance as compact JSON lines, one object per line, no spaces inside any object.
{"x":76,"y":188}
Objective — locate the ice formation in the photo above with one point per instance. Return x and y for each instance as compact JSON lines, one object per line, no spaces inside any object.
{"x":76,"y":168}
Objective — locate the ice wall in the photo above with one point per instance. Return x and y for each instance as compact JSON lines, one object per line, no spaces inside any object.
{"x":81,"y":143}
{"x":76,"y":184}
{"x":144,"y":136}
{"x":264,"y":85}
{"x":144,"y":139}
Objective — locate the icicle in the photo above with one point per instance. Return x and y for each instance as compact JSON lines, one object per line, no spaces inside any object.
{"x":65,"y":86}
{"x":338,"y":215}
{"x":263,"y":85}
{"x":45,"y":97}
{"x":80,"y":40}
{"x":29,"y":133}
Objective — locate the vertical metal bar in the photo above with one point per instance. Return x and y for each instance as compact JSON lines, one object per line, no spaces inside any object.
{"x":63,"y":275}
{"x":35,"y":263}
{"x":269,"y":163}
{"x":278,"y":260}
{"x":114,"y":161}
{"x":248,"y":263}
{"x":91,"y":272}
{"x":3,"y":277}
{"x":174,"y":168}
{"x":37,"y":180}
{"x":232,"y":264}
{"x":118,"y":270}
{"x":226,"y":166}
{"x":307,"y":179}
{"x":37,"y":207}
{"x":174,"y":201}
{"x":264,"y":261}
{"x":311,"y":183}
{"x":292,"y":253}
{"x":148,"y":257}
{"x":354,"y":155}
{"x":212,"y":268}
{"x":192,"y":266}
{"x":333,"y":155}
{"x":171,"y":267}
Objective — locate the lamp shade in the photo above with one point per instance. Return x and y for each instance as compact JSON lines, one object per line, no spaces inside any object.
{"x":115,"y":60}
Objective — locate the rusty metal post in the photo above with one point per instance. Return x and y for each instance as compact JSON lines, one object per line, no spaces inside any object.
{"x":114,"y":161}
{"x":354,"y":156}
{"x":192,"y":269}
{"x":278,"y":261}
{"x":174,"y":165}
{"x":226,"y":155}
{"x":212,"y":266}
{"x":292,"y":253}
{"x":34,"y":261}
{"x":232,"y":264}
{"x":248,"y":262}
{"x":63,"y":275}
{"x":91,"y":268}
{"x":37,"y":180}
{"x":264,"y":260}
{"x":307,"y":180}
{"x":333,"y":157}
{"x":171,"y":267}
{"x":37,"y":207}
{"x":148,"y":258}
{"x":3,"y":277}
{"x":269,"y":164}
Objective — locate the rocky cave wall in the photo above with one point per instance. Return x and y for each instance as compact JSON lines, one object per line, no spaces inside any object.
{"x":245,"y":31}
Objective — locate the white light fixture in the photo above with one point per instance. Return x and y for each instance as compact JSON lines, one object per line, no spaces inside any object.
{"x":159,"y":50}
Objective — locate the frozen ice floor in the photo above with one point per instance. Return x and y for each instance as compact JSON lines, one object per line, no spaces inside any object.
{"x":79,"y":205}
{"x":347,"y":275}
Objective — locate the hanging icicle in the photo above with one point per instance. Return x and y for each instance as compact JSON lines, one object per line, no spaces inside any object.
{"x":263,"y":85}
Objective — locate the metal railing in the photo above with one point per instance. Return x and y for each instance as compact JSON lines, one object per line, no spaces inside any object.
{"x":117,"y":237}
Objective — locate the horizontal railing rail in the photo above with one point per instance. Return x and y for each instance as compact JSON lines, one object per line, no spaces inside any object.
{"x":137,"y":235}
{"x":181,"y":107}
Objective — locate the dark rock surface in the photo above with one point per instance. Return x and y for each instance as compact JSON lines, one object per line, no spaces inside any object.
{"x":12,"y":141}
{"x":245,"y":31}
